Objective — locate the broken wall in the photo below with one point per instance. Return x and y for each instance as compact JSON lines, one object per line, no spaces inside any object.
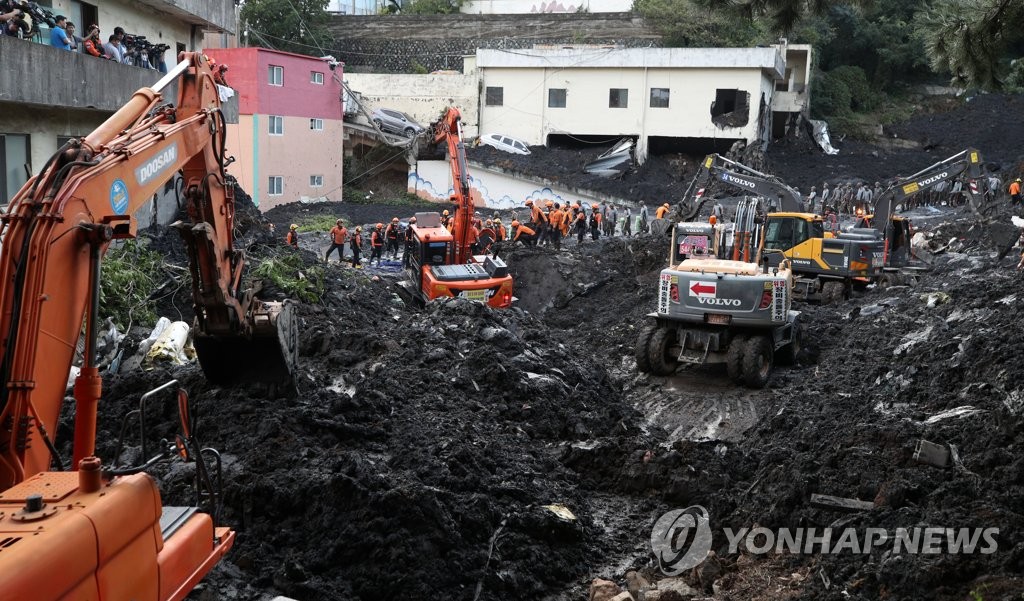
{"x":422,"y":97}
{"x":493,"y":187}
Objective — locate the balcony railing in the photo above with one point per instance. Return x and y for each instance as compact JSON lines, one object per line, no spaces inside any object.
{"x":41,"y":75}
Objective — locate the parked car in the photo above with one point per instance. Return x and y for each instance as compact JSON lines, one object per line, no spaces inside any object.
{"x":505,"y":143}
{"x":396,"y":122}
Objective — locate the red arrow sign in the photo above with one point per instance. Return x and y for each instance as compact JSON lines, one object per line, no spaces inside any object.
{"x":699,"y":288}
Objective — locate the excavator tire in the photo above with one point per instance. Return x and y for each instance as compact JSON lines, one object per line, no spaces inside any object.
{"x":788,"y":354}
{"x":643,"y":341}
{"x":757,"y":361}
{"x":832,"y":293}
{"x":734,"y":358}
{"x":268,"y":356}
{"x":661,"y":360}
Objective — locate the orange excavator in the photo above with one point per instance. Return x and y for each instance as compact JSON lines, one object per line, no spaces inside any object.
{"x":102,"y":532}
{"x":443,"y":263}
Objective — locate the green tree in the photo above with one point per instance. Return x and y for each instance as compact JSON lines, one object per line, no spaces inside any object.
{"x":298,"y":26}
{"x":970,"y":38}
{"x":433,"y":7}
{"x":690,"y":23}
{"x":783,"y":15}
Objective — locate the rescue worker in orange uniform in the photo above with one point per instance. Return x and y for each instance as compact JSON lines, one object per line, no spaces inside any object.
{"x":1015,"y":192}
{"x":661,"y":211}
{"x":391,"y":237}
{"x":524,"y":234}
{"x":356,"y":244}
{"x":339,"y":235}
{"x":580,"y":225}
{"x":595,"y":221}
{"x":292,"y":237}
{"x":377,"y":244}
{"x":555,"y":230}
{"x":410,"y":243}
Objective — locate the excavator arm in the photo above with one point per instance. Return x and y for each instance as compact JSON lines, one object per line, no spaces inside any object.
{"x":448,"y":130}
{"x":739,"y":177}
{"x":105,"y":534}
{"x":966,"y":163}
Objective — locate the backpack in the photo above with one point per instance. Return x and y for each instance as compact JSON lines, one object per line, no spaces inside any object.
{"x":593,"y":220}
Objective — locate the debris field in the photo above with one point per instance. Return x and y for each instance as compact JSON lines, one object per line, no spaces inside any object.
{"x":460,"y":452}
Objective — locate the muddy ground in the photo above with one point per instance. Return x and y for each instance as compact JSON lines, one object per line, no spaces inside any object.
{"x":422,"y":448}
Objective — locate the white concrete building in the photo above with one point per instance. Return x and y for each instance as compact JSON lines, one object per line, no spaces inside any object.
{"x":678,"y":99}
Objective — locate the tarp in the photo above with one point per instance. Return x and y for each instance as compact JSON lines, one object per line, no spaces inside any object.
{"x":820,"y":131}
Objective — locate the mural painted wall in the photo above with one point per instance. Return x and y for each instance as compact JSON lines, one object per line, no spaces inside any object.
{"x":431,"y":180}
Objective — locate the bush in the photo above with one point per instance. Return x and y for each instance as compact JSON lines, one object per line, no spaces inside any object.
{"x":841,"y":92}
{"x":130,"y":272}
{"x":288,"y":272}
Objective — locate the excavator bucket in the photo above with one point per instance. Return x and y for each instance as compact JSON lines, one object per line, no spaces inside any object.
{"x":269,"y":355}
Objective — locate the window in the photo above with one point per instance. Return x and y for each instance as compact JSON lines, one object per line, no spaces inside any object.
{"x":316,"y":124}
{"x":618,"y":98}
{"x":276,"y":125}
{"x":494,"y":96}
{"x":15,"y":163}
{"x":556,"y":98}
{"x":316,"y":77}
{"x":316,"y":181}
{"x":275,"y":75}
{"x":276,"y":185}
{"x":659,"y":98}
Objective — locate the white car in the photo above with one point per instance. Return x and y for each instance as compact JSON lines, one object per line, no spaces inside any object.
{"x":505,"y":143}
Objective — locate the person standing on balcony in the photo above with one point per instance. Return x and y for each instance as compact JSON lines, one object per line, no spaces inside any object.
{"x":114,"y":49}
{"x":59,"y":36}
{"x":93,"y":45}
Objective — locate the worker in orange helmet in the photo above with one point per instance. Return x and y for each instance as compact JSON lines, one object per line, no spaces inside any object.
{"x":410,"y":243}
{"x":595,"y":221}
{"x":356,"y":244}
{"x":376,"y":244}
{"x":391,"y":237}
{"x":523,"y":233}
{"x":339,"y":236}
{"x":580,"y":225}
{"x":661,"y":211}
{"x":292,"y":238}
{"x":537,"y":218}
{"x":555,"y":226}
{"x":712,"y":220}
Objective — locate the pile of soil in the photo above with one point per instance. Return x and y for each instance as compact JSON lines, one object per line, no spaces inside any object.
{"x":480,"y":454}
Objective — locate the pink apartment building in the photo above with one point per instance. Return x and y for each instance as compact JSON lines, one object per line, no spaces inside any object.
{"x":288,"y":140}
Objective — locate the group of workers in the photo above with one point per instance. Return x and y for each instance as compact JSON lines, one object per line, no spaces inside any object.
{"x":547,"y":223}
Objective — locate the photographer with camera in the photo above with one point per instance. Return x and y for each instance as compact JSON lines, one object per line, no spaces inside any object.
{"x":12,"y":18}
{"x":58,"y":35}
{"x":114,"y":48}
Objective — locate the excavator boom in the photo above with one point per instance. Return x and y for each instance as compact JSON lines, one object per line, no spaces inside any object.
{"x":55,"y":233}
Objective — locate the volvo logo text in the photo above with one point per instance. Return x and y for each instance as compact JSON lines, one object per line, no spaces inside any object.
{"x":728,"y":302}
{"x":739,"y":182}
{"x":157,"y":165}
{"x":933,"y":179}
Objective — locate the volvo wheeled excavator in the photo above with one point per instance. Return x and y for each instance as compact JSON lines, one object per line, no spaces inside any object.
{"x":722,"y":299}
{"x":442,"y":263}
{"x":102,"y":532}
{"x":825,"y":265}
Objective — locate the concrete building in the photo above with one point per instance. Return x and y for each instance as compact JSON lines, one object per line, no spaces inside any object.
{"x":48,"y":95}
{"x":288,"y":139}
{"x":670,"y":99}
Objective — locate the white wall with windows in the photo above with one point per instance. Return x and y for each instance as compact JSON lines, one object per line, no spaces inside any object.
{"x":643,"y":92}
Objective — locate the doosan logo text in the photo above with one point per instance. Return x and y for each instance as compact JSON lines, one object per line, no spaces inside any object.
{"x":157,"y":164}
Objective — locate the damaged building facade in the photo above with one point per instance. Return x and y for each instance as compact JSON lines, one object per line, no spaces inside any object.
{"x":693,"y":100}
